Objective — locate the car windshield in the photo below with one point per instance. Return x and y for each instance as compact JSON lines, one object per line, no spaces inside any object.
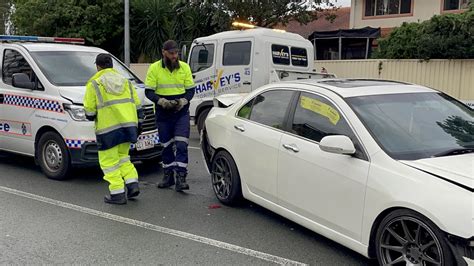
{"x":413,"y":126}
{"x":72,"y":68}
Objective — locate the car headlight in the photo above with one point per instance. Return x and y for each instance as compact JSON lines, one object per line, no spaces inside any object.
{"x":76,"y":112}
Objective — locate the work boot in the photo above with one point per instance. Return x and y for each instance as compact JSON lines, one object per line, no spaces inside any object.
{"x":181,"y":182}
{"x":132,"y":190}
{"x":116,"y":199}
{"x":168,"y":180}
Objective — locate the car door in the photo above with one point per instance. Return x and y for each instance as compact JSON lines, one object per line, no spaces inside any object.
{"x":17,"y":104}
{"x":255,"y":140}
{"x":324,"y":187}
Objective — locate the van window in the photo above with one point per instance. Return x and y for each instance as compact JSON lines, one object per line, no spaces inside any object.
{"x":237,"y":53}
{"x":202,"y":57}
{"x":280,"y":54}
{"x":14,"y":62}
{"x":299,"y":57}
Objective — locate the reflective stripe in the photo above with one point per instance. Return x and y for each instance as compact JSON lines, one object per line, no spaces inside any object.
{"x":111,"y":169}
{"x":124,"y":160}
{"x":168,"y":143}
{"x":169,"y":165}
{"x":170,"y":86}
{"x":97,"y":91}
{"x":190,"y":87}
{"x":139,"y":107}
{"x":182,"y":164}
{"x":112,"y":128}
{"x":91,"y":113}
{"x":112,"y":102}
{"x":117,"y":191}
{"x":130,"y":87}
{"x":131,"y":180}
{"x":182,"y":139}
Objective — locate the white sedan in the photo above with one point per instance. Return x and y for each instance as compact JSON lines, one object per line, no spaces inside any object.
{"x":381,"y":167}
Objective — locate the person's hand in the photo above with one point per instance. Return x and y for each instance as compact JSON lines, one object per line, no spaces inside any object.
{"x":167,"y":104}
{"x":181,"y":103}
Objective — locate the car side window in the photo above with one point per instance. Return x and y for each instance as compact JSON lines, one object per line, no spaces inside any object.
{"x":14,"y":62}
{"x":269,"y":108}
{"x":202,"y":57}
{"x":315,"y":117}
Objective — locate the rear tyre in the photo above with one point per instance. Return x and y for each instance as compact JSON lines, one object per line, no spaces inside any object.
{"x":405,"y":237}
{"x":226,"y":179}
{"x":53,"y":156}
{"x":202,"y":118}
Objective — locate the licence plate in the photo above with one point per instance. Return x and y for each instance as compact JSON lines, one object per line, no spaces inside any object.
{"x":145,"y":144}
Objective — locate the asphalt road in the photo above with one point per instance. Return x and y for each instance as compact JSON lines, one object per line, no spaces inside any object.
{"x":44,"y":221}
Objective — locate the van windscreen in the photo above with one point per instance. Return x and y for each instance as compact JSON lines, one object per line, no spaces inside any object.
{"x":66,"y":68}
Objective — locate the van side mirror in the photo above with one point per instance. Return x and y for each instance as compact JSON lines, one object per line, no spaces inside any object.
{"x":21,"y":80}
{"x":184,"y":53}
{"x":338,"y":144}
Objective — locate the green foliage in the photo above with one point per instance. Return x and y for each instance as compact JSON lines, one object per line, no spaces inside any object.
{"x":449,"y":36}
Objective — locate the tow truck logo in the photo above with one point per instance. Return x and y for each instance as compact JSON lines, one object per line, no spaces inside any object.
{"x":281,"y":54}
{"x":216,"y":83}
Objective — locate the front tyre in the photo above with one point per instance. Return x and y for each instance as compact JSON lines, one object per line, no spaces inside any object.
{"x":405,"y":237}
{"x":53,"y":156}
{"x":226,"y":179}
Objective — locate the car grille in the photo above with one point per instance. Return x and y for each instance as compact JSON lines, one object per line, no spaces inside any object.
{"x":149,"y":123}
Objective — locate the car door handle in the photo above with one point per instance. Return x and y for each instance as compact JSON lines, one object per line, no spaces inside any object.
{"x":240,"y":128}
{"x":247,"y":83}
{"x":291,"y":147}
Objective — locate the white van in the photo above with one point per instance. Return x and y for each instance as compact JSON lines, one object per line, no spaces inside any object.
{"x":242,"y":60}
{"x":41,"y":104}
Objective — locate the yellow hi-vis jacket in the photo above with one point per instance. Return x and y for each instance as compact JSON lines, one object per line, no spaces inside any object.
{"x":113,"y":101}
{"x":167,"y":83}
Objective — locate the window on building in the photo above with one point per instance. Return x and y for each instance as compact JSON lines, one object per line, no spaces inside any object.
{"x":387,"y":7}
{"x":455,"y":4}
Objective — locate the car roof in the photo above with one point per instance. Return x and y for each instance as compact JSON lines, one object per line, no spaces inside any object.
{"x":43,"y":47}
{"x":360,"y":87}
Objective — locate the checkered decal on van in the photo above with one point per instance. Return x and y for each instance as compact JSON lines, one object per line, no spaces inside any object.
{"x":30,"y":102}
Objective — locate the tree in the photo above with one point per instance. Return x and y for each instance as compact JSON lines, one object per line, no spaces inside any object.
{"x":449,"y":36}
{"x":5,"y":7}
{"x":97,"y":22}
{"x":270,"y":13}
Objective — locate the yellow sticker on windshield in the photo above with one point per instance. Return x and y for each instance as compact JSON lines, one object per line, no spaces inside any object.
{"x":320,"y":108}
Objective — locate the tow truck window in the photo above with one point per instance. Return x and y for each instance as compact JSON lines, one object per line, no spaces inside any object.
{"x":280,"y":54}
{"x":14,"y":62}
{"x":299,"y":57}
{"x":72,"y":68}
{"x":237,"y":53}
{"x":202,"y":57}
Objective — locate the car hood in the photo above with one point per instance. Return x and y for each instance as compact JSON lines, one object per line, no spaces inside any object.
{"x":458,"y":169}
{"x":76,"y":94}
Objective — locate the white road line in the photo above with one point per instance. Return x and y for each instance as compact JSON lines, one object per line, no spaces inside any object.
{"x":164,"y":230}
{"x":193,"y":148}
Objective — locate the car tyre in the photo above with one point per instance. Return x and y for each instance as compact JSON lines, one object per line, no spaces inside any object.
{"x":226,"y":179}
{"x":53,"y":156}
{"x":407,"y":237}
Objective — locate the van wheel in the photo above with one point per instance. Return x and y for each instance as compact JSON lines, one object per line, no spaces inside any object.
{"x":202,"y":118}
{"x":407,"y":237}
{"x":53,"y":157}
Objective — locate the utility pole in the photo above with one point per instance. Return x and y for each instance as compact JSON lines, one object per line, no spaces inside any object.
{"x":127,"y":33}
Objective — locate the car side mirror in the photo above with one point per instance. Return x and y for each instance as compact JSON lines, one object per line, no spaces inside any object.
{"x":184,"y":53}
{"x":21,"y":80}
{"x":338,"y":144}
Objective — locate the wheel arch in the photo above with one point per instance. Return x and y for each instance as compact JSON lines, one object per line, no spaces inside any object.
{"x":41,"y":131}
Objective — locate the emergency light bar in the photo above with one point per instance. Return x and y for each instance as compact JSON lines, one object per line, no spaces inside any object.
{"x":250,"y":26}
{"x":41,"y":39}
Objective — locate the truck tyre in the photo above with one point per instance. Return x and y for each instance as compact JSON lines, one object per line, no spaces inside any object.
{"x":53,"y":156}
{"x":201,"y":118}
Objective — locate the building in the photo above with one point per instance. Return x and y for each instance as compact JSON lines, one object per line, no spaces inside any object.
{"x":388,"y":14}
